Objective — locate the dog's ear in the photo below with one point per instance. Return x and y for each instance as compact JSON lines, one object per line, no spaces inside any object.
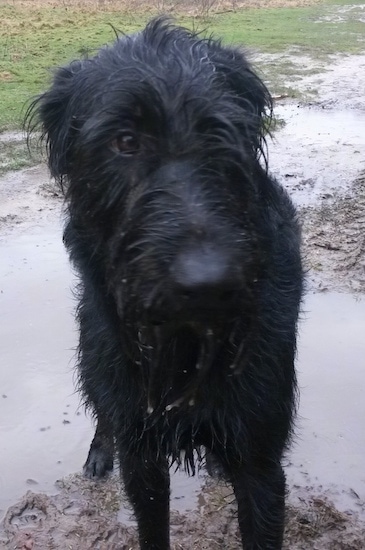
{"x":248,"y":90}
{"x":232,"y":65}
{"x":244,"y":84}
{"x":55,"y":113}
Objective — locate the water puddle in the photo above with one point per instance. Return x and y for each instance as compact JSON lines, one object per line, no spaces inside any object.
{"x":310,"y":154}
{"x":44,"y":434}
{"x":329,"y":448}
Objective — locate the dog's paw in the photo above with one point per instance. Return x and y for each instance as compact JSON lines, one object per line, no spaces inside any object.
{"x":99,"y":462}
{"x":213,"y":466}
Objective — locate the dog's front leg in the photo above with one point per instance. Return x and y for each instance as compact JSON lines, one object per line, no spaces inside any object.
{"x":147,"y":484}
{"x":260,"y":494}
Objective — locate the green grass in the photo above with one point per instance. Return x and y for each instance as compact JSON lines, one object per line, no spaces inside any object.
{"x":275,"y":30}
{"x":32,"y":41}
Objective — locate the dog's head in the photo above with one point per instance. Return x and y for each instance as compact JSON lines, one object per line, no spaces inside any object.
{"x":164,"y":82}
{"x":156,"y":141}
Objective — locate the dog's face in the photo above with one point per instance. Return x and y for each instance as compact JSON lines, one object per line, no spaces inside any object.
{"x":156,"y":141}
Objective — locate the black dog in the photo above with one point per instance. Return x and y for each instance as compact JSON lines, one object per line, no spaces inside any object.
{"x":191,"y":278}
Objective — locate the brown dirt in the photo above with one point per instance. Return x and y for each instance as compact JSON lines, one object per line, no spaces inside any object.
{"x":84,"y":516}
{"x":334,"y":240}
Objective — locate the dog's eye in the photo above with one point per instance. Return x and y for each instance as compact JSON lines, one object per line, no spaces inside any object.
{"x":126,"y":143}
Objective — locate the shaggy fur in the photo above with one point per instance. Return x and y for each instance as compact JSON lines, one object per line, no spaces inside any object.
{"x":190,"y":272}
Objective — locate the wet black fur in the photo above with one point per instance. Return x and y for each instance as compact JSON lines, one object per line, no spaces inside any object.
{"x":157,"y":142}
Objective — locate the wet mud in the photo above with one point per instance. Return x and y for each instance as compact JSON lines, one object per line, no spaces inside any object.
{"x":319,"y":154}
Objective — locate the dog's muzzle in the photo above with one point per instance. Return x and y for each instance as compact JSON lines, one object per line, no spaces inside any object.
{"x":203,"y":297}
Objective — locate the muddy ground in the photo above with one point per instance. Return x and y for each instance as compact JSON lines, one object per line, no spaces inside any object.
{"x":319,"y":154}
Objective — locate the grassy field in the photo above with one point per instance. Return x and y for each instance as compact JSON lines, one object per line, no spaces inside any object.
{"x":36,"y":36}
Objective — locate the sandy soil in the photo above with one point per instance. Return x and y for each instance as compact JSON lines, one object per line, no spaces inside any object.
{"x":320,"y":156}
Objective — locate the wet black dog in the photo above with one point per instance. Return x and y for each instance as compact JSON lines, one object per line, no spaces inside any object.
{"x":188,"y":255}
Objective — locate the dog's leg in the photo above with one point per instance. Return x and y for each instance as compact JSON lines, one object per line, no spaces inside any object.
{"x":260,"y":494}
{"x":147,"y":484}
{"x":100,"y":458}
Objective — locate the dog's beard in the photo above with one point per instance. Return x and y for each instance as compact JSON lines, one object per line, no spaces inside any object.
{"x":177,"y":350}
{"x":154,"y":342}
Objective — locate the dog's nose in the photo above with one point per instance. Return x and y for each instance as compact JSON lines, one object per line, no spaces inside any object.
{"x":205,"y":279}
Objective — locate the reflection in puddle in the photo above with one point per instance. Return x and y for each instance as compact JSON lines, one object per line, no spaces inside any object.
{"x":44,"y":435}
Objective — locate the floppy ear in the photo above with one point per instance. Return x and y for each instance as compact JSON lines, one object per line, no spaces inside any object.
{"x":56,"y":115}
{"x":249,"y":90}
{"x":233,"y":66}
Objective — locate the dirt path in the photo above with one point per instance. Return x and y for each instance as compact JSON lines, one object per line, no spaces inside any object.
{"x":320,"y":156}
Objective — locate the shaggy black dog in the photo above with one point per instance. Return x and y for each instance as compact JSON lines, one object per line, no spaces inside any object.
{"x":191,"y":278}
